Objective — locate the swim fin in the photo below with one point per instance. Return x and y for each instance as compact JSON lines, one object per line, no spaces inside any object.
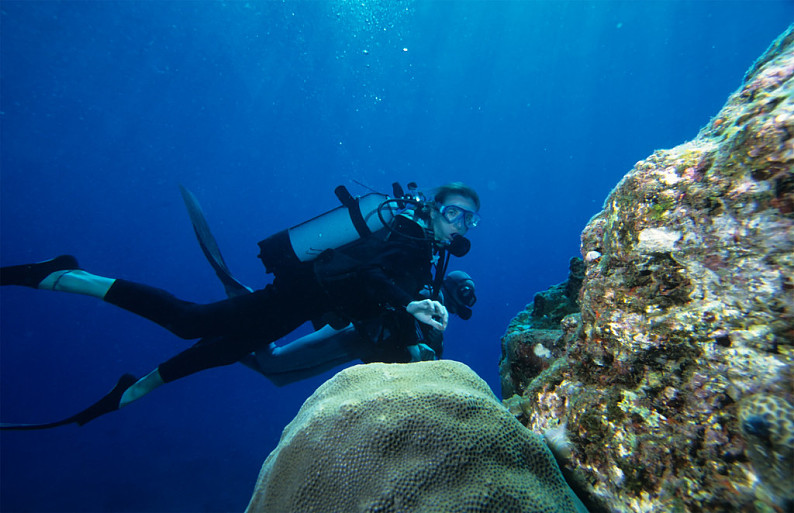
{"x":105,"y":405}
{"x":210,"y":246}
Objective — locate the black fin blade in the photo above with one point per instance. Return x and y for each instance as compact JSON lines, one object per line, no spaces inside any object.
{"x":107,"y":404}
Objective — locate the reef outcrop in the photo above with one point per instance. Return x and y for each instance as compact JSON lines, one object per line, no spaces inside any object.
{"x":427,"y":436}
{"x":537,"y":336}
{"x":677,"y":384}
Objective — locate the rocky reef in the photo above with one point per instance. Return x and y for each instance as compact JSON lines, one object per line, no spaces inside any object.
{"x":676,"y":379}
{"x":427,"y":436}
{"x":536,"y":337}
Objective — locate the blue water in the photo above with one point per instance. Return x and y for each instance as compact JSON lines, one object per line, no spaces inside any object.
{"x":262,"y":109}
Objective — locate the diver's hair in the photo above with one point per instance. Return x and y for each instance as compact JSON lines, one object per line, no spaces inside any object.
{"x":459,"y":188}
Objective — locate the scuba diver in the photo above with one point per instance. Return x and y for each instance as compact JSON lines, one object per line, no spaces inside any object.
{"x":364,"y":263}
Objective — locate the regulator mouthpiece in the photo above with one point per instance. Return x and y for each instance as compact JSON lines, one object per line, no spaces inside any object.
{"x":459,"y":246}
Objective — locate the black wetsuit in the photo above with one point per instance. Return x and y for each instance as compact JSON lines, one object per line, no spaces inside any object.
{"x":359,"y":282}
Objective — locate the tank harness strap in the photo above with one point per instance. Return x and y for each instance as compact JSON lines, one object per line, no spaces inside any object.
{"x":354,"y":210}
{"x":441,"y":271}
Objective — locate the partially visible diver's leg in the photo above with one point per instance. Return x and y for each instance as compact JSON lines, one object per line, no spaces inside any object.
{"x":185,"y":319}
{"x":127,"y":389}
{"x":141,"y":387}
{"x":77,"y":282}
{"x":206,"y":354}
{"x":182,"y":318}
{"x":271,"y":312}
{"x":107,"y":404}
{"x":62,"y":274}
{"x":309,"y":355}
{"x":267,"y":314}
{"x":31,"y":275}
{"x":247,"y":313}
{"x":211,"y":353}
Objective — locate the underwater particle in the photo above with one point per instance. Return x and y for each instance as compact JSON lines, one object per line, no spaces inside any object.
{"x":767,"y":423}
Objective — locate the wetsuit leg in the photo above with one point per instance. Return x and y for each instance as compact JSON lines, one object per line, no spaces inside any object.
{"x":272,"y":316}
{"x":206,"y":354}
{"x":247,"y":314}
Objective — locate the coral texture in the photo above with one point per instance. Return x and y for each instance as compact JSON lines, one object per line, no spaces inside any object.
{"x":677,"y":392}
{"x":767,"y":422}
{"x":426,"y":436}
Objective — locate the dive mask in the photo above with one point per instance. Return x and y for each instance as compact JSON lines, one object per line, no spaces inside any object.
{"x":455,"y":214}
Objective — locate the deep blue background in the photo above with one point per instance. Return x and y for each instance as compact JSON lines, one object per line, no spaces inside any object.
{"x":262,"y":109}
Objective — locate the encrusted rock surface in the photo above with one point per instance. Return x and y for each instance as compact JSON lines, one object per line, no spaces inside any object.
{"x":678,"y":390}
{"x":537,"y":335}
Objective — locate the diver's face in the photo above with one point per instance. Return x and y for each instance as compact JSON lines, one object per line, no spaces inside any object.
{"x":450,"y":218}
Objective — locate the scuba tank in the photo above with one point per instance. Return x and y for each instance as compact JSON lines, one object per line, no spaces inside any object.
{"x":357,"y":217}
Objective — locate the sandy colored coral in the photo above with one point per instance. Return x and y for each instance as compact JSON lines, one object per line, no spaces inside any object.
{"x":427,"y":436}
{"x":687,"y":310}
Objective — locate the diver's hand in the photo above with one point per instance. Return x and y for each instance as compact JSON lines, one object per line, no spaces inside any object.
{"x":429,"y":312}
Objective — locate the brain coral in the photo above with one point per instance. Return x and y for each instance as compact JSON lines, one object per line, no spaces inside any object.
{"x":427,"y":436}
